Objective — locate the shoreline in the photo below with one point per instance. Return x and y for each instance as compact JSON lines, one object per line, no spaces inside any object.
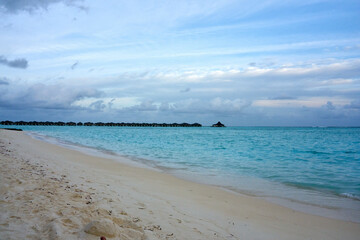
{"x":315,"y":207}
{"x":183,"y":209}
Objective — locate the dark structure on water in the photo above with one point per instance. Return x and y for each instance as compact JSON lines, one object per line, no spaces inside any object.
{"x":109,"y":124}
{"x":218,"y":124}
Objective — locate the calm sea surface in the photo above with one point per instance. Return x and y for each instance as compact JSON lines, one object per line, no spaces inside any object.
{"x":314,"y":167}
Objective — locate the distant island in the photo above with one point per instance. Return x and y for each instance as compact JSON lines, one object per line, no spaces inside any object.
{"x":109,"y":124}
{"x":218,"y":124}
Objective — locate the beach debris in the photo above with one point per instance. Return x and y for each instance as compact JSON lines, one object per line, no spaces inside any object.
{"x":141,"y":206}
{"x":123,"y":213}
{"x":136,"y":219}
{"x":149,"y":228}
{"x":102,"y":238}
{"x":103,"y":227}
{"x":152,"y":227}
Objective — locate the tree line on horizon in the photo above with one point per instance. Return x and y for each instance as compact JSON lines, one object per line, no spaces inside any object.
{"x":108,"y":124}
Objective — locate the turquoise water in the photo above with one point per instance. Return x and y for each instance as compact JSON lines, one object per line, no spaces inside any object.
{"x":318,"y":166}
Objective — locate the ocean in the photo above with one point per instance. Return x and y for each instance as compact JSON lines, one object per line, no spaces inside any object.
{"x":310,"y":169}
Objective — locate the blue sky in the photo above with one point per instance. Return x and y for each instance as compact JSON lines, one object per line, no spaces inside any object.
{"x":286,"y":63}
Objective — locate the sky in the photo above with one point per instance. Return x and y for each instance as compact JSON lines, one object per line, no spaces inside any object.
{"x":244,"y":63}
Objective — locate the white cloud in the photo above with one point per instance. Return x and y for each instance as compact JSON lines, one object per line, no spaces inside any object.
{"x":116,"y":103}
{"x":340,"y":72}
{"x":312,"y":102}
{"x":347,"y":68}
{"x":228,"y":105}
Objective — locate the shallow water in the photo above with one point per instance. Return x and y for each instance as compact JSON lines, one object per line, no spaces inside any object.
{"x":316,"y":167}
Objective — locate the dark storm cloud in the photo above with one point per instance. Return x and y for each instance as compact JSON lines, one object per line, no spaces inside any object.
{"x":17,"y":63}
{"x":14,"y":6}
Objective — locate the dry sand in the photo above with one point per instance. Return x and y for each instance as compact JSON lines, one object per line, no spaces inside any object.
{"x":50,"y":192}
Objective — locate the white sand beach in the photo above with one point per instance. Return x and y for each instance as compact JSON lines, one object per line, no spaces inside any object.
{"x":51,"y":192}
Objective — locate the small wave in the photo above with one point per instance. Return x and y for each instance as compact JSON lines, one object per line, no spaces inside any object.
{"x":350,"y":195}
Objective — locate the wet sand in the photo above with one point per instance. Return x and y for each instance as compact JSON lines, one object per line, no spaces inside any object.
{"x":50,"y":192}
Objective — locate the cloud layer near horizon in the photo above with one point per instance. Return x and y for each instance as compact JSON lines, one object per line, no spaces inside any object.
{"x":315,"y":92}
